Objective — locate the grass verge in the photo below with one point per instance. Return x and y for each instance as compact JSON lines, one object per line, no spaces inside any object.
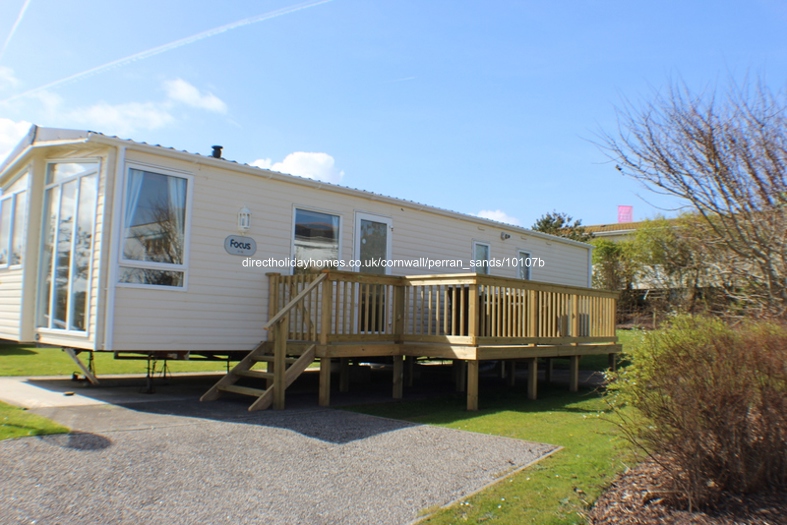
{"x":557,"y":490}
{"x":22,"y":360}
{"x":17,"y":422}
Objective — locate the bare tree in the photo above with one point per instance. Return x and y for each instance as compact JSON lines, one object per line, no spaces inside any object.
{"x":726,"y":156}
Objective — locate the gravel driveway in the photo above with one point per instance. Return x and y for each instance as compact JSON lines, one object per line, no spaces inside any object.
{"x":178,"y":461}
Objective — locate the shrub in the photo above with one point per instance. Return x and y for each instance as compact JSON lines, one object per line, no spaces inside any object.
{"x":714,"y":402}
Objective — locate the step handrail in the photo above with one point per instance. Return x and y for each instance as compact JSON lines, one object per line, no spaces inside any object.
{"x":294,"y":302}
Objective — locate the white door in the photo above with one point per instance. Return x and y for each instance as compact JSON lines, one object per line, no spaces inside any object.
{"x":373,"y":250}
{"x":373,"y":243}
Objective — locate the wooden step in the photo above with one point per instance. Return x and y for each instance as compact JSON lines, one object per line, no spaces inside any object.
{"x":244,"y":390}
{"x":266,"y":358}
{"x":290,"y":376}
{"x":257,"y":374}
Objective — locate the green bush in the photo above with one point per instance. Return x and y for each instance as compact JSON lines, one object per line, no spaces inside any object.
{"x":713,"y":401}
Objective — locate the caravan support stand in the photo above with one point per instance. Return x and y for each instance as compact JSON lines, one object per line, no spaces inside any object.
{"x":89,"y":374}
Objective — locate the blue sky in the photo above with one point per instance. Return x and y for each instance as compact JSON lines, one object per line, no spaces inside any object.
{"x":472,"y":106}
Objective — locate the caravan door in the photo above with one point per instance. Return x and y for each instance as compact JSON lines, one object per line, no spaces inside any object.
{"x":373,"y":250}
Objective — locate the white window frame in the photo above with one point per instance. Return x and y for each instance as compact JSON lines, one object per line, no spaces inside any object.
{"x":122,"y":262}
{"x":12,"y":197}
{"x":524,"y":272}
{"x":482,"y":270}
{"x":313,"y":209}
{"x":68,"y":331}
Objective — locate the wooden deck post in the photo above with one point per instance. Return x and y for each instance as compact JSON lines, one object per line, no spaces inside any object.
{"x":472,"y":312}
{"x":325,"y":382}
{"x":279,"y":356}
{"x":326,"y":311}
{"x":344,"y":374}
{"x":398,"y":322}
{"x":574,"y":374}
{"x":472,"y":385}
{"x":398,"y":376}
{"x":270,"y":367}
{"x":326,"y":305}
{"x":273,"y":305}
{"x":409,"y":370}
{"x":460,"y":375}
{"x":532,"y":378}
{"x":612,"y":359}
{"x":511,"y":373}
{"x":273,"y":293}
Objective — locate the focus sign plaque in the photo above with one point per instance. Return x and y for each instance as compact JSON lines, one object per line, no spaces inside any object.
{"x":238,"y":245}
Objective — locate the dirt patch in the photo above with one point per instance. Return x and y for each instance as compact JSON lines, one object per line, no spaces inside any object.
{"x":638,"y":497}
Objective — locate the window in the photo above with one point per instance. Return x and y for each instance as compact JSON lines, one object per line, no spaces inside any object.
{"x":70,"y":198}
{"x":481,"y":257}
{"x":154,"y":229}
{"x":13,"y":223}
{"x":525,"y":263}
{"x":316,"y":239}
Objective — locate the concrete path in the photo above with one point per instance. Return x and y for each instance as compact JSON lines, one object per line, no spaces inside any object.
{"x":166,"y":458}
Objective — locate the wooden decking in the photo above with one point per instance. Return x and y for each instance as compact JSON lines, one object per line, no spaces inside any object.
{"x":464,"y":317}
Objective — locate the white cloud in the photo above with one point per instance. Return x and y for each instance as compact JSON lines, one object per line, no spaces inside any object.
{"x":500,"y":216}
{"x":11,"y":132}
{"x":181,"y":91}
{"x":318,"y":166}
{"x":124,"y":119}
{"x":121,"y":119}
{"x":7,"y":78}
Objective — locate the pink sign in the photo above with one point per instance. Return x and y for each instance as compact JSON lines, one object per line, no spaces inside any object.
{"x":625,"y":213}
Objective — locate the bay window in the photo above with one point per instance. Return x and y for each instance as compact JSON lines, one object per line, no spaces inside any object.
{"x":13,"y":222}
{"x":70,"y":198}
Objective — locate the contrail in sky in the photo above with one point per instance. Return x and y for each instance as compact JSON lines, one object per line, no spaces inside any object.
{"x":167,"y":47}
{"x":13,"y":28}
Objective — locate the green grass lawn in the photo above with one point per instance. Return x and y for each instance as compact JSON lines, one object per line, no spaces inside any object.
{"x":21,"y":360}
{"x":556,"y":490}
{"x":17,"y":422}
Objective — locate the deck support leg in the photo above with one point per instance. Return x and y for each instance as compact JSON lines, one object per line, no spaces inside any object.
{"x":472,"y":385}
{"x":271,"y":366}
{"x":511,"y":373}
{"x":279,"y":358}
{"x":89,"y":374}
{"x":549,"y":371}
{"x":398,"y":376}
{"x":502,"y":369}
{"x":344,"y":374}
{"x":409,"y":370}
{"x":613,"y":362}
{"x":461,"y":375}
{"x":574,"y":374}
{"x":325,"y":382}
{"x":532,"y":378}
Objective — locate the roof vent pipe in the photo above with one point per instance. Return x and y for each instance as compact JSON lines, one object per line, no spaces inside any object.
{"x":216,"y":152}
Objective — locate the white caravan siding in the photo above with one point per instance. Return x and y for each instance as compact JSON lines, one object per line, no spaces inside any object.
{"x":10,"y":304}
{"x":224,"y":304}
{"x":11,"y":286}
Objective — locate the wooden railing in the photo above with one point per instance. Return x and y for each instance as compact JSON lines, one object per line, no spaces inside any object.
{"x":463,"y":309}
